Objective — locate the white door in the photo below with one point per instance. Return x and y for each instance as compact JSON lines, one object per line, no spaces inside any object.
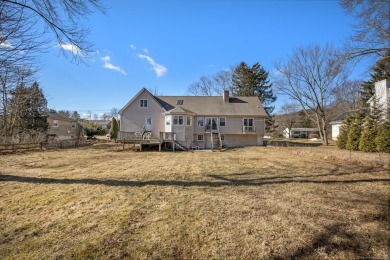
{"x":148,"y":124}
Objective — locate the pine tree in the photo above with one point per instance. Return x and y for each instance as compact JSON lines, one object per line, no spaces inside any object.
{"x":382,"y":139}
{"x":343,"y":132}
{"x":253,"y":81}
{"x":379,"y":72}
{"x":114,"y":128}
{"x":28,"y":110}
{"x":354,"y":132}
{"x":366,"y":142}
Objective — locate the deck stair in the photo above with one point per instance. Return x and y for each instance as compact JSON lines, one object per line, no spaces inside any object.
{"x":180,"y":145}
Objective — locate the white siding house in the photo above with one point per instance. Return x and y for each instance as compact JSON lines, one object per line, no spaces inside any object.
{"x":210,"y":120}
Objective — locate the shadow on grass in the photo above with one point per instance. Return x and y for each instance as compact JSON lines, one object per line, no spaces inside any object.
{"x":334,"y":238}
{"x":218,"y":181}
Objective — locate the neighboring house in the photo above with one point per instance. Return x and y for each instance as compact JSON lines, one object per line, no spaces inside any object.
{"x":62,"y":128}
{"x":212,"y":121}
{"x":299,"y":132}
{"x":336,"y":123}
{"x":381,"y":98}
{"x":105,"y":124}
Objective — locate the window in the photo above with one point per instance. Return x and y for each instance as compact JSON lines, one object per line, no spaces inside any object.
{"x":222,"y":121}
{"x":200,"y":121}
{"x":179,"y":102}
{"x":148,"y":121}
{"x":189,"y":120}
{"x":222,"y":138}
{"x":143,"y":103}
{"x":74,"y":125}
{"x":200,"y":138}
{"x":167,"y":120}
{"x":55,"y":123}
{"x":248,"y":121}
{"x":178,"y":120}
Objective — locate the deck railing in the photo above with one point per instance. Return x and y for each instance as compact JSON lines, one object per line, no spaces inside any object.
{"x":248,"y":130}
{"x":167,"y":136}
{"x":127,"y":136}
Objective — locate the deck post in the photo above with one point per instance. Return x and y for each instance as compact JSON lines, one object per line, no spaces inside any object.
{"x":159,"y":147}
{"x":174,"y":145}
{"x":140,"y":146}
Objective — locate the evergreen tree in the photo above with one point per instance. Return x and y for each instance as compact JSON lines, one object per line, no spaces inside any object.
{"x":343,"y":132}
{"x":28,"y":109}
{"x":253,"y":81}
{"x":354,"y":132}
{"x":114,"y":128}
{"x":382,"y":139}
{"x":366,"y":142}
{"x":379,"y":72}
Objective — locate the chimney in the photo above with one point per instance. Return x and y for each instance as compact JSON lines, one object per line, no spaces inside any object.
{"x":226,"y":96}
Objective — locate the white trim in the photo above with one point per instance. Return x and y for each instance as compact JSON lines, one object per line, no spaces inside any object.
{"x":219,"y":122}
{"x":142,"y":103}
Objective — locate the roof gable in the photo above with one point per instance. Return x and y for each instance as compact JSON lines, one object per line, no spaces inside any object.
{"x":136,"y":97}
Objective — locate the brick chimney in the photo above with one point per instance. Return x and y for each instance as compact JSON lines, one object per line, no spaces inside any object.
{"x":226,"y":96}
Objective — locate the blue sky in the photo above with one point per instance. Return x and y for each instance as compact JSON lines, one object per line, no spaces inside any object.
{"x":167,"y":45}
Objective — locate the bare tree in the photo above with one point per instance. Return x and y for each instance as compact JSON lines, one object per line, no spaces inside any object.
{"x":114,"y":112}
{"x":27,"y":25}
{"x":290,"y":115}
{"x":10,"y":78}
{"x":372,"y":33}
{"x":309,"y":76}
{"x":212,"y":85}
{"x":348,"y":96}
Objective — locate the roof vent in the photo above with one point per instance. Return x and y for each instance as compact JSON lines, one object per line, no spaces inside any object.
{"x":179,"y":102}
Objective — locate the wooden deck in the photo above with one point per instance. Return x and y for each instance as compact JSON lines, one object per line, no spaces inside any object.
{"x":147,"y":140}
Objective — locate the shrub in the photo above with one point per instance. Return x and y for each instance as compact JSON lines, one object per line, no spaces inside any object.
{"x":343,"y":132}
{"x":366,"y":142}
{"x":314,"y":135}
{"x":354,"y":133}
{"x":382,"y":139}
{"x":114,"y":129}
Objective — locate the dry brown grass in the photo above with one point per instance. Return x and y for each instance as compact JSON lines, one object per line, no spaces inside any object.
{"x":250,"y":203}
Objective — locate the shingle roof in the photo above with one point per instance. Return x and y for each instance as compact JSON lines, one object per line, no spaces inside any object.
{"x":340,"y":117}
{"x":214,"y":105}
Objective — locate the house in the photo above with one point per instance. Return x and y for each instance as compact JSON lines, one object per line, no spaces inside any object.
{"x":381,"y":100}
{"x":105,"y":124}
{"x":213,"y":121}
{"x":299,"y":132}
{"x":62,"y":128}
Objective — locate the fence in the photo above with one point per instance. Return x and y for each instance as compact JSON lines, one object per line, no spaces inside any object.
{"x":69,"y":143}
{"x":283,"y":143}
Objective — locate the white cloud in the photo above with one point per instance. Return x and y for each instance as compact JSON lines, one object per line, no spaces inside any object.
{"x":72,"y":48}
{"x":145,"y":50}
{"x":133,"y":47}
{"x":108,"y":65}
{"x":158,"y":68}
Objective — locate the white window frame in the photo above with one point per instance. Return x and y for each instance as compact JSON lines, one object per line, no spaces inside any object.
{"x":197,"y":121}
{"x":143,"y":103}
{"x":222,"y":137}
{"x":55,"y":123}
{"x":248,"y":118}
{"x":178,"y":120}
{"x":200,"y":137}
{"x":219,"y":122}
{"x":189,"y":118}
{"x":167,"y":120}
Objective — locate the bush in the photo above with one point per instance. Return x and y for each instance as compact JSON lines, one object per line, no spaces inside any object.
{"x":382,"y":140}
{"x":314,"y":135}
{"x":354,"y":133}
{"x":366,"y":142}
{"x":343,"y":132}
